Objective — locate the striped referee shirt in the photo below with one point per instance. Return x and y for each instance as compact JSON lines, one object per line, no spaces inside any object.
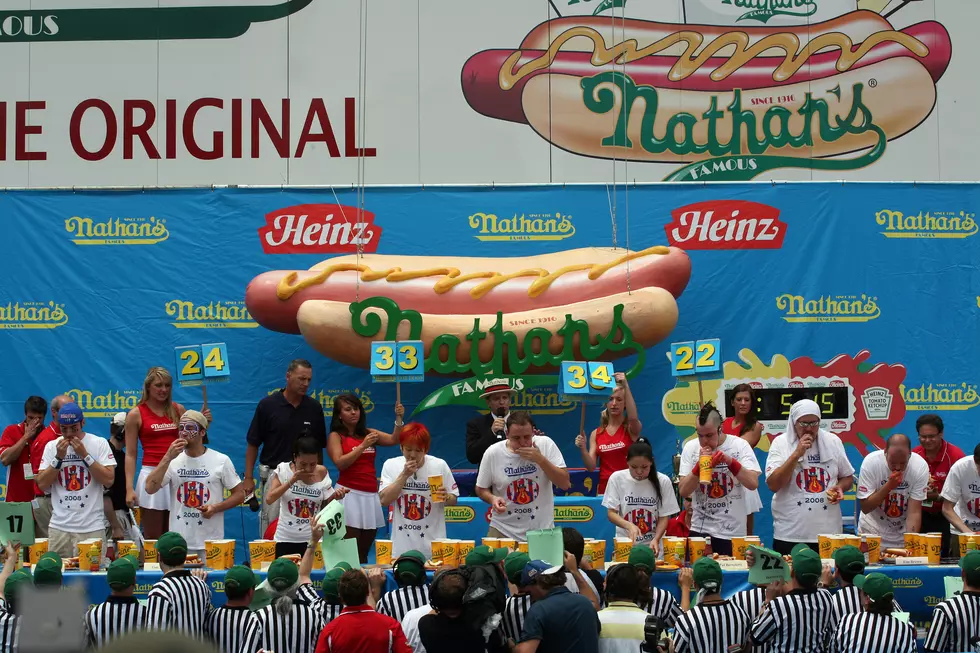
{"x":847,"y":600}
{"x":514,"y":612}
{"x":955,"y":624}
{"x":664,"y":606}
{"x":751,"y":601}
{"x":397,"y":603}
{"x":296,"y":631}
{"x":178,"y":601}
{"x":330,"y":611}
{"x":118,"y":616}
{"x":798,"y":622}
{"x":227,"y":627}
{"x":873,"y":633}
{"x":9,"y":632}
{"x":711,"y":628}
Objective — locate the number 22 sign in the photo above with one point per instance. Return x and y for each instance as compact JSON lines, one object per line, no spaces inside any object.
{"x":198,"y":364}
{"x":695,"y":357}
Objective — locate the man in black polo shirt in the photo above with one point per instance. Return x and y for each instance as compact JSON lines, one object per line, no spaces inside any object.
{"x":558,"y":620}
{"x":279,"y":419}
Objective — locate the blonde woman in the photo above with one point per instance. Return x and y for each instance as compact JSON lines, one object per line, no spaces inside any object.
{"x":618,"y":429}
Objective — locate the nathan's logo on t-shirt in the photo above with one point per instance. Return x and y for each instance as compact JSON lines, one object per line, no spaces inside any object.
{"x":193,"y":494}
{"x":523,"y":491}
{"x":301,"y":508}
{"x":894,"y":506}
{"x":721,"y":485}
{"x":414,"y":507}
{"x":521,"y":470}
{"x":75,"y":478}
{"x":306,"y":490}
{"x":642,"y":518}
{"x":813,"y":480}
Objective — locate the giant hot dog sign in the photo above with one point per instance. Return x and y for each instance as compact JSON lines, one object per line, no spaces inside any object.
{"x":743,"y":88}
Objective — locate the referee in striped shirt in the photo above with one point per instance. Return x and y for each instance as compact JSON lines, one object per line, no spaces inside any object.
{"x":849,"y":563}
{"x":329,"y":605}
{"x":179,"y":600}
{"x":799,"y":621}
{"x":121,"y":613}
{"x":875,"y":630}
{"x":654,"y":600}
{"x":290,"y":624}
{"x":956,"y":621}
{"x":519,"y":601}
{"x":11,"y":583}
{"x":412,"y":592}
{"x":228,"y":625}
{"x":714,"y":624}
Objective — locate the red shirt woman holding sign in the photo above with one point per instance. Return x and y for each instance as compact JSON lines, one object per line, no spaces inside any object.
{"x":618,"y":429}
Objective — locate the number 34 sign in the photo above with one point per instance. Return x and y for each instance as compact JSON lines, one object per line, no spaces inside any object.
{"x":199,"y":364}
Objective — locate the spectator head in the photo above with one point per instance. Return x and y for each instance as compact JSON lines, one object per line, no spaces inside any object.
{"x":849,"y":562}
{"x":172,"y":549}
{"x":117,"y":430}
{"x":807,"y":566}
{"x":898,"y":450}
{"x":240,"y":584}
{"x":878,"y":592}
{"x":574,"y":543}
{"x":447,"y":592}
{"x":47,"y":571}
{"x":415,"y":442}
{"x":540,"y":578}
{"x":348,"y":416}
{"x":353,"y":588}
{"x":707,"y":575}
{"x":35,"y":407}
{"x":709,"y":426}
{"x":970,"y":564}
{"x":642,"y":559}
{"x":57,"y":403}
{"x":498,"y":395}
{"x":514,"y":565}
{"x":299,"y":374}
{"x":409,"y":569}
{"x":121,"y":575}
{"x":929,"y":427}
{"x":623,"y":583}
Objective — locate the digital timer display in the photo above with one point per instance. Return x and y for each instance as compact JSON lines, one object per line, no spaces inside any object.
{"x":773,"y":404}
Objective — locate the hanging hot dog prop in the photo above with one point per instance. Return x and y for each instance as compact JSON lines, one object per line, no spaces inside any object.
{"x":480,"y":315}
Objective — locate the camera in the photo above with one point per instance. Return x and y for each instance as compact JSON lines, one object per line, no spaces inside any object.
{"x":653,"y":630}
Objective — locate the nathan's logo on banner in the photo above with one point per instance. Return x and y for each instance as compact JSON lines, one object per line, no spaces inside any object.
{"x":213,"y":315}
{"x":763,"y":10}
{"x":936,"y":224}
{"x":532,"y":226}
{"x":459,"y":514}
{"x":828,"y":308}
{"x":117,"y":231}
{"x":541,"y":402}
{"x":877,"y":402}
{"x":319,"y":229}
{"x":143,"y":588}
{"x":908,"y":583}
{"x":573,"y":513}
{"x":326,"y":397}
{"x":726,"y":224}
{"x":106,"y":404}
{"x":941,"y":396}
{"x":32,"y":315}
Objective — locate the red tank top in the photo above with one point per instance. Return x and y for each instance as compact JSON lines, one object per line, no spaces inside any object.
{"x":156,"y":435}
{"x":360,"y":476}
{"x":612,"y":453}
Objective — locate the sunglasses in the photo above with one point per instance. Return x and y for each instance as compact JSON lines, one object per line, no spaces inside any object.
{"x":810,"y":424}
{"x":188,"y":428}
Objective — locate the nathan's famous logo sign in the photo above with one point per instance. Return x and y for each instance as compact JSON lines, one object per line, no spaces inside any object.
{"x":326,"y":397}
{"x":926,"y":224}
{"x":117,"y":231}
{"x":104,"y":404}
{"x":858,"y":400}
{"x":934,"y":397}
{"x":32,"y":315}
{"x":139,"y":23}
{"x":532,"y":226}
{"x":213,"y":315}
{"x":828,"y":308}
{"x":744,"y":88}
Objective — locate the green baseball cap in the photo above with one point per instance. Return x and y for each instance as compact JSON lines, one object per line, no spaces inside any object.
{"x":238,"y":581}
{"x":806,"y":564}
{"x":970,"y":563}
{"x":52,"y":555}
{"x":47,"y":571}
{"x":409,"y":568}
{"x":345,"y":566}
{"x":642,"y":557}
{"x":484,"y":555}
{"x":14,"y":582}
{"x":799,"y":547}
{"x":876,"y":586}
{"x":172,"y":548}
{"x":331,"y":582}
{"x":121,"y":574}
{"x":850,"y":559}
{"x":283,"y":574}
{"x":707,"y":574}
{"x":514,"y":565}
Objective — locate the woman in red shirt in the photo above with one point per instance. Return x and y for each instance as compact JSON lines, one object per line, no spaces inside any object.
{"x":618,"y":429}
{"x":744,"y":424}
{"x":351,"y":446}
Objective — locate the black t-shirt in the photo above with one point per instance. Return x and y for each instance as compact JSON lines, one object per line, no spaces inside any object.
{"x":276,"y":425}
{"x":440,"y":634}
{"x":117,"y":492}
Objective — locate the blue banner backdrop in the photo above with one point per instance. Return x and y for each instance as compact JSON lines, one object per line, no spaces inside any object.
{"x":866,"y":292}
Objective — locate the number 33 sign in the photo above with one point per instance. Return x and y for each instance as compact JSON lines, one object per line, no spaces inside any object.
{"x":197,"y":364}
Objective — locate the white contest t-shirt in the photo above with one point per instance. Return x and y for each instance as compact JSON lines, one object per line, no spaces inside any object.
{"x":801,"y":511}
{"x":194,"y":483}
{"x":720,"y":510}
{"x":637,"y":503}
{"x":528,"y":491}
{"x":962,"y":488}
{"x":888,"y":519}
{"x":76,"y":497}
{"x":416,"y":519}
{"x":297,"y":505}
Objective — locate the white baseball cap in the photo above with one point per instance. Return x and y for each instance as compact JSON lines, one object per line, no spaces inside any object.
{"x":119,"y":419}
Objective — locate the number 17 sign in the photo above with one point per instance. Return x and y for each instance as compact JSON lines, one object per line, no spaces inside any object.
{"x":16,"y":524}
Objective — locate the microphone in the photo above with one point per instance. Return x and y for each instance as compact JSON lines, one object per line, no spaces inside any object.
{"x":252,"y":502}
{"x":500,"y":412}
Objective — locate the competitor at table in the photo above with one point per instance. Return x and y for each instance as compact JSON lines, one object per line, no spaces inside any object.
{"x":961,"y":494}
{"x":808,"y":472}
{"x":619,"y":427}
{"x":351,"y":446}
{"x":640,"y":500}
{"x":891,"y":489}
{"x":744,"y":424}
{"x":42,"y":510}
{"x":955,"y":623}
{"x":940,"y":456}
{"x":301,"y":487}
{"x":719,"y":508}
{"x":516,"y":478}
{"x":197,"y":478}
{"x":486,"y":430}
{"x":418,"y":515}
{"x":874,"y":629}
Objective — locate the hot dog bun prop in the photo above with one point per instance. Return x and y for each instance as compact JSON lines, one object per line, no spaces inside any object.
{"x":567,"y":82}
{"x":450,"y":293}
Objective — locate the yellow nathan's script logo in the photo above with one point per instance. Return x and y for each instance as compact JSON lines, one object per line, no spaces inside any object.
{"x":907,"y":582}
{"x":213,"y":315}
{"x":218,"y":586}
{"x":940,"y":396}
{"x":936,"y":224}
{"x":574,"y":513}
{"x":32,"y":315}
{"x":142,"y":588}
{"x":531,"y":226}
{"x":117,"y":231}
{"x":106,"y":404}
{"x":326,"y":397}
{"x":459,"y":514}
{"x":542,"y":402}
{"x":828,"y":308}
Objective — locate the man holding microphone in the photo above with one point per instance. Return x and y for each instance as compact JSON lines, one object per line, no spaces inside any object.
{"x":485,"y":430}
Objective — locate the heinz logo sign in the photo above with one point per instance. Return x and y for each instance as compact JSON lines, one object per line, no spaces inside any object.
{"x":319,"y":229}
{"x":726,"y":224}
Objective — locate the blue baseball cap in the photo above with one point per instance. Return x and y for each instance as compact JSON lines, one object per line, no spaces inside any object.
{"x":536,"y":568}
{"x":70,"y":414}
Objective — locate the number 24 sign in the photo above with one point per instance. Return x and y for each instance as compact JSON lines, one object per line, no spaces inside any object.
{"x":197,"y":364}
{"x":695,"y":357}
